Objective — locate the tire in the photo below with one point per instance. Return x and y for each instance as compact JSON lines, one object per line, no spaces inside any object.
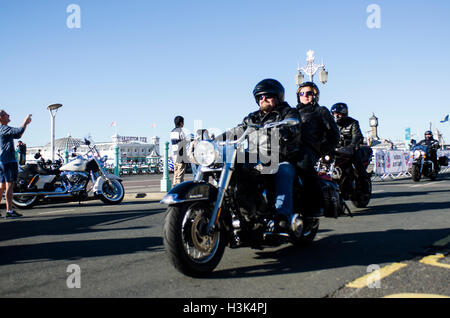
{"x":191,"y":252}
{"x":306,"y":238}
{"x":415,"y":173}
{"x":112,"y":195}
{"x":24,"y":202}
{"x":361,"y":200}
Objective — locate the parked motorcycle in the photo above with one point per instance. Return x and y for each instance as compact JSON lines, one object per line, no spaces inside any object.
{"x":422,"y":165}
{"x":235,"y":209}
{"x":340,"y":168}
{"x":73,"y":181}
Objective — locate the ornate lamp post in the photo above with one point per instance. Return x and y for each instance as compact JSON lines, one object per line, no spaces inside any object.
{"x":311,"y":69}
{"x":53,"y":109}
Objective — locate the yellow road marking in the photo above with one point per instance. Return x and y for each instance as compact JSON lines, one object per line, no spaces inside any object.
{"x":375,"y":275}
{"x":433,"y":260}
{"x":415,"y":295}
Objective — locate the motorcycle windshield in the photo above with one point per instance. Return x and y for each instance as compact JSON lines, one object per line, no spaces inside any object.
{"x":420,"y":147}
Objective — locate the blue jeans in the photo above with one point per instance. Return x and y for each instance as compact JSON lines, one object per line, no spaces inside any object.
{"x":284,"y":183}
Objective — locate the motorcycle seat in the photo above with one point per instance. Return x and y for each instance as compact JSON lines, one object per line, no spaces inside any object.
{"x":46,"y":171}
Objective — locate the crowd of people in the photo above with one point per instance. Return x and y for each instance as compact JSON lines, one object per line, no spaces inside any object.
{"x":319,"y":132}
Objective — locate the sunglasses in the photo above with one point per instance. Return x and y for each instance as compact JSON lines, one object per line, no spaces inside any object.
{"x":266,"y":96}
{"x":307,"y":94}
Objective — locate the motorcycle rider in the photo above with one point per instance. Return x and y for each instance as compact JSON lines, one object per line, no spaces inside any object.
{"x":351,"y":136}
{"x":432,"y":147}
{"x":319,"y":135}
{"x":269,"y":95}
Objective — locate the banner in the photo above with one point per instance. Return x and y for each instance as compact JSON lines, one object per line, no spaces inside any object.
{"x":396,"y":162}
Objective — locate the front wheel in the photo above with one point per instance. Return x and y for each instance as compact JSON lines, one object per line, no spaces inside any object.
{"x":24,"y":202}
{"x":415,"y":173}
{"x":113,"y":193}
{"x":192,"y":251}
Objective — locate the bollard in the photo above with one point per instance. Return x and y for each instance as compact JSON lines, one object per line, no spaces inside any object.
{"x":166,"y":185}
{"x":116,"y":160}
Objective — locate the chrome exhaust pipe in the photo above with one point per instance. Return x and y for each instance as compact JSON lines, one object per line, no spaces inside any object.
{"x":29,"y":194}
{"x":59,"y":195}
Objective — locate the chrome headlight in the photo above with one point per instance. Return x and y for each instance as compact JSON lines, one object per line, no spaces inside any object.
{"x":419,"y":153}
{"x":205,"y":153}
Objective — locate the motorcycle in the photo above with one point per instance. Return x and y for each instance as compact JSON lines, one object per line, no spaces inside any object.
{"x":340,"y":168}
{"x":75,"y":181}
{"x":422,"y":165}
{"x":236,"y":209}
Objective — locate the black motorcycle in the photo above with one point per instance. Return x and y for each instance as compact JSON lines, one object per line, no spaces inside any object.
{"x":422,"y":165}
{"x":340,"y":167}
{"x":236,"y":208}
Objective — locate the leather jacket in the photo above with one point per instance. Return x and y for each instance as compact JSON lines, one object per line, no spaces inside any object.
{"x":289,"y":137}
{"x":350,"y":132}
{"x":432,"y":147}
{"x":318,"y":128}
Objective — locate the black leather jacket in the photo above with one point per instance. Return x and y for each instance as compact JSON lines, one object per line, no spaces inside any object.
{"x":350,"y":132}
{"x":432,"y":147}
{"x":289,"y":137}
{"x":318,"y":128}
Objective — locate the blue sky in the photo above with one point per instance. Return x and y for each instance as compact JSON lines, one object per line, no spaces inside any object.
{"x":144,"y":62}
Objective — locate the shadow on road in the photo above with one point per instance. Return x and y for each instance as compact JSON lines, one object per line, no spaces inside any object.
{"x":74,"y":224}
{"x":340,"y":250}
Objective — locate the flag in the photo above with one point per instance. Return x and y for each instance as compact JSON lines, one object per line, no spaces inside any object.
{"x":113,"y":124}
{"x":445,"y":119}
{"x":153,"y":125}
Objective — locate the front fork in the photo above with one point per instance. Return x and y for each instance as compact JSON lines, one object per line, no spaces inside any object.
{"x":224,"y":181}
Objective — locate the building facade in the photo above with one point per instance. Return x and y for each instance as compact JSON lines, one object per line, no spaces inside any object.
{"x":132,"y":149}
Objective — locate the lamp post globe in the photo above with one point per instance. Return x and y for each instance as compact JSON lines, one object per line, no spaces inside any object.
{"x":53,"y":108}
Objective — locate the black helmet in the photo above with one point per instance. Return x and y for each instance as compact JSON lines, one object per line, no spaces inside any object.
{"x":340,"y":108}
{"x":428,"y":132}
{"x":269,"y":86}
{"x":314,"y":87}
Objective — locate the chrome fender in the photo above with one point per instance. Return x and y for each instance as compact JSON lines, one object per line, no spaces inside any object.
{"x":190,"y":191}
{"x":98,"y":185}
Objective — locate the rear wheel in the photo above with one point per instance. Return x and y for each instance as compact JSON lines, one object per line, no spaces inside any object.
{"x":192,"y":251}
{"x":361,"y":199}
{"x":307,"y":233}
{"x":24,"y":202}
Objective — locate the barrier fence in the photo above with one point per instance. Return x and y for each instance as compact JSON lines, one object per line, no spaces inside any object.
{"x":397,"y":163}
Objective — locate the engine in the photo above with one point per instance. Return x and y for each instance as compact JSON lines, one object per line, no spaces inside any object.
{"x":74,"y":179}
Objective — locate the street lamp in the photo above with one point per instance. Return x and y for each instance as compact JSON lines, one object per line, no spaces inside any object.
{"x":310,"y":69}
{"x":53,"y":109}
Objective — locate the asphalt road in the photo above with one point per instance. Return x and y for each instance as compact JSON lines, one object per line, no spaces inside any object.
{"x":94,"y":250}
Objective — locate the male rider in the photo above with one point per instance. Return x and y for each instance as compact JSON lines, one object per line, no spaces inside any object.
{"x":8,"y":162}
{"x":269,"y":95}
{"x":320,"y":135}
{"x":433,"y":146}
{"x":351,"y":135}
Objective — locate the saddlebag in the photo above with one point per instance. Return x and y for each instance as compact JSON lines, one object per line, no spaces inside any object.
{"x":366,"y":154}
{"x":443,"y":161}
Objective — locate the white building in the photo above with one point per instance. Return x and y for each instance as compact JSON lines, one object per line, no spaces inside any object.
{"x":131,"y":148}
